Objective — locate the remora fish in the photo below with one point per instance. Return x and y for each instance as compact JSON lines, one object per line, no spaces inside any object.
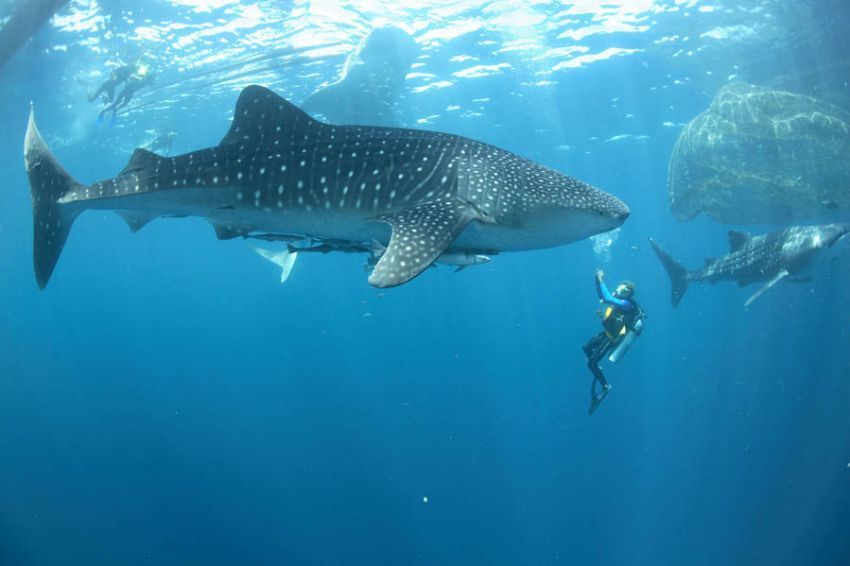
{"x":278,"y":171}
{"x":459,"y":259}
{"x":752,"y":259}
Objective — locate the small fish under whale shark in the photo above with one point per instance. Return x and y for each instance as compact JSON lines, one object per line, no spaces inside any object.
{"x":772,"y":257}
{"x":280,"y":174}
{"x":285,"y":259}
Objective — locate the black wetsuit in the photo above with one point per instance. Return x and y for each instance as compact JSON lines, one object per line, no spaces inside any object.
{"x":134,"y":83}
{"x":116,"y":77}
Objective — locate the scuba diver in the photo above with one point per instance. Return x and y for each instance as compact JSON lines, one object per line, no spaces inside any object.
{"x":116,"y":77}
{"x":141,"y":77}
{"x":622,"y":320}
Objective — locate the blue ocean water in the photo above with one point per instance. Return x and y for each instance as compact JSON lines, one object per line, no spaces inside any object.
{"x":166,"y":401}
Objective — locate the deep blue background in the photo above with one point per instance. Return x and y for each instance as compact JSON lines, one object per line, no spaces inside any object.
{"x":166,"y":401}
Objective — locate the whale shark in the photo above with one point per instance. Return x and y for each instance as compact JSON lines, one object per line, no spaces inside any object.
{"x":768,"y":258}
{"x":372,"y":83}
{"x":280,"y":174}
{"x":26,"y":19}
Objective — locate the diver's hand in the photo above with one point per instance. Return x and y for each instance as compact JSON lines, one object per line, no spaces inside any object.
{"x":600,"y":275}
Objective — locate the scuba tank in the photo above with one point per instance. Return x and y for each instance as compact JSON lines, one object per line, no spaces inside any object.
{"x":626,"y":342}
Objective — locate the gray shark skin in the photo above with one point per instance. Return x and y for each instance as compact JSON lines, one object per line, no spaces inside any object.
{"x":768,"y":258}
{"x":280,"y":173}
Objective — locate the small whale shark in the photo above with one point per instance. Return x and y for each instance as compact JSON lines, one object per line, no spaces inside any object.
{"x":768,"y":258}
{"x":278,"y":174}
{"x":372,"y":83}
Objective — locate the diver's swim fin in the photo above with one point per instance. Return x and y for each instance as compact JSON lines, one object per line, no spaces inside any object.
{"x":597,"y":399}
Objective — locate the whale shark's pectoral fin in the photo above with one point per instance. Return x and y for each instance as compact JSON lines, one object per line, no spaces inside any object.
{"x":776,"y":279}
{"x":420,"y":235}
{"x":284,"y":259}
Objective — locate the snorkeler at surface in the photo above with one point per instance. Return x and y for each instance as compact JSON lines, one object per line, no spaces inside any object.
{"x":142,"y":77}
{"x":116,"y":77}
{"x":622,"y":319}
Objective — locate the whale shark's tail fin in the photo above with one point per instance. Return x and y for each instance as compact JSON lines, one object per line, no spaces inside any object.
{"x":677,"y":272}
{"x":52,"y":220}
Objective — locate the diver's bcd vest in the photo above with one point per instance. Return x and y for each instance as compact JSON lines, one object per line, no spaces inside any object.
{"x":617,"y":322}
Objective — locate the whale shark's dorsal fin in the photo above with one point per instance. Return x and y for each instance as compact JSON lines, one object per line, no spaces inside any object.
{"x":262,"y":117}
{"x":141,"y":160}
{"x":738,"y":240}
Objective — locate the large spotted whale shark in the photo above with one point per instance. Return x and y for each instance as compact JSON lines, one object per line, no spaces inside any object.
{"x":279,"y":174}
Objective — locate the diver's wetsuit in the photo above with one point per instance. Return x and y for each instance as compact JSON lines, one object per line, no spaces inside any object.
{"x":135,"y":83}
{"x":116,"y":77}
{"x":619,"y":316}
